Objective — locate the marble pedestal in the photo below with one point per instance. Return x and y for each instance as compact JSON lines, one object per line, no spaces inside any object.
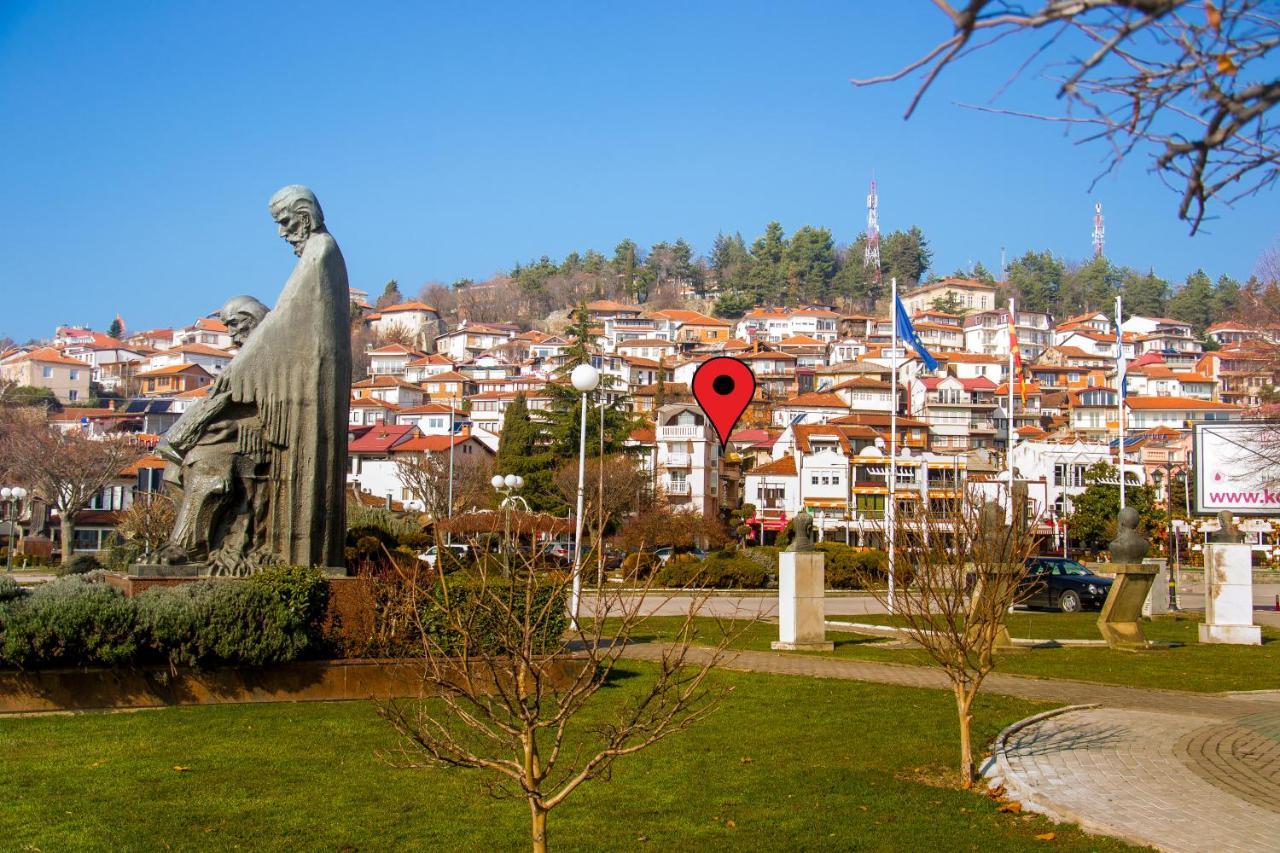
{"x":1118,"y":622}
{"x":1228,"y":595}
{"x":997,"y":584}
{"x":1157,"y":601}
{"x":801,"y":602}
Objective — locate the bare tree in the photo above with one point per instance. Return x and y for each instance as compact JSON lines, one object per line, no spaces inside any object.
{"x":1191,"y":81}
{"x":426,"y":476}
{"x":64,"y":469}
{"x":616,"y":487}
{"x":510,"y":700}
{"x":960,"y":572}
{"x":148,"y":522}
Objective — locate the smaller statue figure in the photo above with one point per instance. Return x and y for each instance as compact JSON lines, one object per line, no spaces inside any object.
{"x":1129,"y":546}
{"x":801,"y":539}
{"x":992,"y":531}
{"x":1227,"y":533}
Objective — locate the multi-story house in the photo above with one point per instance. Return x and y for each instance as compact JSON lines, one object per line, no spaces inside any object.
{"x":771,"y":325}
{"x":987,"y":332}
{"x":392,"y":360}
{"x":650,"y":348}
{"x":940,"y":337}
{"x":1026,"y":409}
{"x":865,"y":393}
{"x":968,"y":294}
{"x":1226,"y":333}
{"x":471,"y":339}
{"x":427,"y":366}
{"x":604,"y":310}
{"x":1158,"y":380}
{"x":208,"y":331}
{"x":212,"y":359}
{"x":45,"y":367}
{"x":1093,"y":413}
{"x":1170,"y":339}
{"x":109,"y":360}
{"x":814,"y":407}
{"x":960,"y":412}
{"x":433,"y":418}
{"x":1244,"y":371}
{"x":450,"y":385}
{"x":413,"y":321}
{"x":688,"y":459}
{"x":174,"y":379}
{"x":692,"y":327}
{"x":389,"y":389}
{"x":1175,"y":412}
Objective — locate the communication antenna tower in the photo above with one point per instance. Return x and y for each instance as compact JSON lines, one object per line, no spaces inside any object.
{"x":1099,"y":232}
{"x":871,"y":255}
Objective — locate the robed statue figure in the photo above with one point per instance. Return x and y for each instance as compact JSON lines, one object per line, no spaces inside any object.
{"x":286,"y":396}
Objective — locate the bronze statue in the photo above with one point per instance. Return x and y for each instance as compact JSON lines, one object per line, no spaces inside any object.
{"x":1129,"y":546}
{"x":278,"y":418}
{"x":801,"y":527}
{"x":1227,"y":533}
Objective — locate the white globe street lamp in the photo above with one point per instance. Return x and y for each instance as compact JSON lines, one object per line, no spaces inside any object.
{"x":585,"y":379}
{"x":12,"y":497}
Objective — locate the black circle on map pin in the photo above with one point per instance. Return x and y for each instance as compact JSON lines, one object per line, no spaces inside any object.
{"x":723,"y":387}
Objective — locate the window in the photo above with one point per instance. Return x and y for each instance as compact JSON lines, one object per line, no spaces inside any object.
{"x":75,"y":374}
{"x":814,"y":479}
{"x":86,"y":540}
{"x":73,"y":394}
{"x":47,"y":372}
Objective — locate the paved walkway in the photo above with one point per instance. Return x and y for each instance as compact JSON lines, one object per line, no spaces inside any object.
{"x":1180,"y":771}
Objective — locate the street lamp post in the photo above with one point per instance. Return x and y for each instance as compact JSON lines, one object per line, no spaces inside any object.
{"x":12,"y":497}
{"x":585,"y":379}
{"x":507,"y":487}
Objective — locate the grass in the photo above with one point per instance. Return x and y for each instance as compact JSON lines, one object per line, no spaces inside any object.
{"x":786,"y":763}
{"x":1193,"y":667}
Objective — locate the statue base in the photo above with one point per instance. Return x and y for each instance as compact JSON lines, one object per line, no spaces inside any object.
{"x":160,"y":571}
{"x":801,"y":602}
{"x":1119,"y":620}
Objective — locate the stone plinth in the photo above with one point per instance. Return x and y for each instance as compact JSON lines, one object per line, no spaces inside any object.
{"x":997,"y":583}
{"x":801,"y":602}
{"x":198,"y":570}
{"x":1158,"y":598}
{"x":1118,"y":621}
{"x":1228,"y":595}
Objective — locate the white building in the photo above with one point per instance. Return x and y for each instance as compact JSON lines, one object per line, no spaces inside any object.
{"x":688,"y":459}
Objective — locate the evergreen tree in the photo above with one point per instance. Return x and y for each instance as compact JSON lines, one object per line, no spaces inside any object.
{"x":116,"y":329}
{"x":1226,"y":299}
{"x":1193,"y":303}
{"x":626,"y":259}
{"x":854,"y":281}
{"x":981,"y":273}
{"x":522,"y":450}
{"x":1036,"y":279}
{"x":949,"y":304}
{"x":730,"y":262}
{"x":1144,"y":295}
{"x":767,"y":280}
{"x":905,"y":255}
{"x":391,"y":295}
{"x":811,"y":264}
{"x":1089,"y":287}
{"x":1092,"y":523}
{"x":733,"y":304}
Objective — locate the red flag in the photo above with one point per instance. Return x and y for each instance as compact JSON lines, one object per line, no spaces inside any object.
{"x":1017,"y":362}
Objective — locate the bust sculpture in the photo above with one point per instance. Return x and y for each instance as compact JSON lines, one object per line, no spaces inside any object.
{"x":260,"y":465}
{"x":801,"y":529}
{"x":1129,"y":546}
{"x":1227,"y":533}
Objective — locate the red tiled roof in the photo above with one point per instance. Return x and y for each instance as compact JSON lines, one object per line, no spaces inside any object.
{"x":381,"y":438}
{"x":817,"y":400}
{"x":408,"y":306}
{"x":47,"y":355}
{"x":1177,"y":403}
{"x":784,"y":467}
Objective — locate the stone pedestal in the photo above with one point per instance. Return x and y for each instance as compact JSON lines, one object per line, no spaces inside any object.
{"x":1158,"y":598}
{"x":801,"y":602}
{"x":1228,"y":595}
{"x":1118,"y":622}
{"x":198,"y":570}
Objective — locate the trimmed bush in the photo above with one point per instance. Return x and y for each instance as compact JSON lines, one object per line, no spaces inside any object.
{"x":638,"y":565}
{"x":68,"y":622}
{"x":716,"y":572}
{"x":482,"y":608}
{"x":10,"y":589}
{"x":80,"y":565}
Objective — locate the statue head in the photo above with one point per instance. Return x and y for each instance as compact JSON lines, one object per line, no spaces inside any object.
{"x":298,"y":214}
{"x":242,"y":314}
{"x":1127,"y":519}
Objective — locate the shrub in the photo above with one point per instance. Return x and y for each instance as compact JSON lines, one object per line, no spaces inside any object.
{"x":70,"y":622}
{"x":79,"y":565}
{"x":482,"y":607}
{"x":638,"y":565}
{"x":10,"y":589}
{"x":716,"y":571}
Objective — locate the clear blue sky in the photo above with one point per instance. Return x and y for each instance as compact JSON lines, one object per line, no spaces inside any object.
{"x":142,"y":140}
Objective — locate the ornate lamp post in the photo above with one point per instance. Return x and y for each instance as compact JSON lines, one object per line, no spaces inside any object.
{"x":507,"y":487}
{"x":12,"y":498}
{"x":585,"y":379}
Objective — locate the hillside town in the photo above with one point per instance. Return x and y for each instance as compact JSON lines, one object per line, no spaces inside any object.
{"x":815,"y":438}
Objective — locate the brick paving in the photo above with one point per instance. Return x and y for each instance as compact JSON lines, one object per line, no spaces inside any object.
{"x":1179,"y":771}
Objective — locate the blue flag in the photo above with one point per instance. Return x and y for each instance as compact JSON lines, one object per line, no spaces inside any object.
{"x":907,"y":332}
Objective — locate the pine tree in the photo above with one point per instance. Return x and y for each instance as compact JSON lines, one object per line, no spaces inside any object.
{"x":767,"y":279}
{"x":811,"y":264}
{"x":1226,"y":299}
{"x":1193,"y":303}
{"x":1144,"y":295}
{"x":1036,"y":279}
{"x":390,"y":296}
{"x":906,"y":256}
{"x":522,"y":450}
{"x":116,"y":329}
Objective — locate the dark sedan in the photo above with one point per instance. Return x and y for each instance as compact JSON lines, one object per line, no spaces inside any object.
{"x":1060,"y":584}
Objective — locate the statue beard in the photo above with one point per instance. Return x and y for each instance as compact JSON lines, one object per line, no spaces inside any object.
{"x":298,"y":240}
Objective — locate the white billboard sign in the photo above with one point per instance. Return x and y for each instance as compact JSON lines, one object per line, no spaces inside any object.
{"x":1238,"y":467}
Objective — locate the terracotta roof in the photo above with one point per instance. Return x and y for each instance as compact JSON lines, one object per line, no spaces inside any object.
{"x":1224,"y":325}
{"x":644,"y":435}
{"x":46,"y":355}
{"x":75,"y":413}
{"x":384,"y":381}
{"x":408,"y":306}
{"x":806,"y":433}
{"x":748,"y":435}
{"x":429,"y":409}
{"x":1076,"y":352}
{"x":968,"y":358}
{"x":609,"y":305}
{"x":875,"y":419}
{"x":372,"y":403}
{"x":209,"y":324}
{"x":865,"y":382}
{"x":952,"y":282}
{"x":1029,"y":387}
{"x":149,"y":461}
{"x":451,"y":376}
{"x":202,"y":349}
{"x":1080,"y":318}
{"x":691,"y":318}
{"x":193,"y":394}
{"x":644,"y":342}
{"x":173,"y":370}
{"x":432,"y":443}
{"x":381,"y":438}
{"x":1158,"y":403}
{"x":766,"y":355}
{"x":817,"y":400}
{"x":433,"y":358}
{"x":394,"y":349}
{"x":800,"y":340}
{"x":784,"y":467}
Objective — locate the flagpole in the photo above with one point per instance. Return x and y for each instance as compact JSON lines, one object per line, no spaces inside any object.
{"x":1120,"y":382}
{"x":890,"y":511}
{"x":1008,"y":444}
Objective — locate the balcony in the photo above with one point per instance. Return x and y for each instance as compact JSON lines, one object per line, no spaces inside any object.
{"x":679,"y":460}
{"x":676,"y":487}
{"x":680,"y":432}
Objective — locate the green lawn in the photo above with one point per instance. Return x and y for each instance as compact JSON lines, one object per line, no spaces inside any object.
{"x":1193,"y":667}
{"x":786,"y":764}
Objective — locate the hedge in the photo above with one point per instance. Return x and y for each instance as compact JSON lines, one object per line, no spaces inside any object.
{"x":482,"y":608}
{"x":756,"y":568}
{"x":718,"y":571}
{"x":271,"y":617}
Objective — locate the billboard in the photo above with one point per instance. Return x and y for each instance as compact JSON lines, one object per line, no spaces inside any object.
{"x":1238,"y":467}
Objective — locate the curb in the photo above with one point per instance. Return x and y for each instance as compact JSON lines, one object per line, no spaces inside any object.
{"x":998,"y":768}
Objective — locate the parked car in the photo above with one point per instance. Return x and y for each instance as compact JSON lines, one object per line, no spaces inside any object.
{"x":664,"y":554}
{"x":430,"y":555}
{"x":1057,"y":583}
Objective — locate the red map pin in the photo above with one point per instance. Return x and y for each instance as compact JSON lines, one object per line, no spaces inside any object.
{"x":723,"y":387}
